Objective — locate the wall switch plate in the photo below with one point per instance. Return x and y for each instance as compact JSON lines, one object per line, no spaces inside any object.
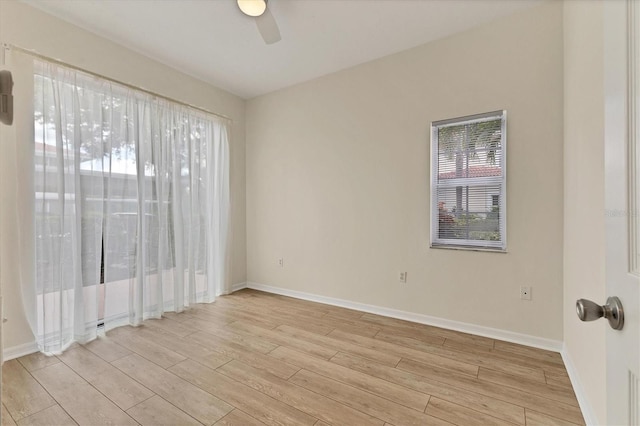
{"x":281,"y":262}
{"x":525,"y":292}
{"x":402,"y":277}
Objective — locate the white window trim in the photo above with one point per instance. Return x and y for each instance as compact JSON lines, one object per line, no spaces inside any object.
{"x":477,"y":245}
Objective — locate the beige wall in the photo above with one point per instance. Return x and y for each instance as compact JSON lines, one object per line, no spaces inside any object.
{"x":337,"y":173}
{"x":29,"y":28}
{"x":584,"y":231}
{"x":338,"y":178}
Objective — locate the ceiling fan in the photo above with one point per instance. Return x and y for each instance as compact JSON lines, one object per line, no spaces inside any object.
{"x":265,"y":21}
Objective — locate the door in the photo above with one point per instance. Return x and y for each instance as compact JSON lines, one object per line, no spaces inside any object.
{"x":622,"y":203}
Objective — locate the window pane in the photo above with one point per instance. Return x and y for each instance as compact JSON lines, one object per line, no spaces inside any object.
{"x":470,"y":150}
{"x":468,"y":192}
{"x":468,"y":213}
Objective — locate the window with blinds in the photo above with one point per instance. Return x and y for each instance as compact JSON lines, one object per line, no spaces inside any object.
{"x":468,"y":182}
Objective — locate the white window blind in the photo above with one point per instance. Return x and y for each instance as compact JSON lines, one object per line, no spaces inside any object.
{"x":468,"y":182}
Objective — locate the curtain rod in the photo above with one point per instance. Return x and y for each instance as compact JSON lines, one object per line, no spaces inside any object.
{"x":112,"y":80}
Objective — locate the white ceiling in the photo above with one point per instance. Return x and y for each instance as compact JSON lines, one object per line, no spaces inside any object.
{"x":213,"y":41}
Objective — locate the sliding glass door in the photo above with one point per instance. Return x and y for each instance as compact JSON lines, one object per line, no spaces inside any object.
{"x":131,"y":205}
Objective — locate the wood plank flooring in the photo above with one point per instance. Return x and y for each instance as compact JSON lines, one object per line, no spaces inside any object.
{"x":253,"y":358}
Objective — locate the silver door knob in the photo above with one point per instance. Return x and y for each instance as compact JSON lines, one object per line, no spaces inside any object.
{"x":612,"y":311}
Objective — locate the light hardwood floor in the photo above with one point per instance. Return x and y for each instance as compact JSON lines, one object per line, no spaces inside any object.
{"x":254,"y":358}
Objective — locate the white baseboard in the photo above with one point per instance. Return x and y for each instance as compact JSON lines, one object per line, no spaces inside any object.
{"x":578,"y":389}
{"x":18,"y":351}
{"x":238,"y":286}
{"x":493,"y":333}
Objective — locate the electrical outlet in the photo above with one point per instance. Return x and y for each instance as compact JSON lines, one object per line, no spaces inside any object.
{"x":402,"y":277}
{"x":281,"y":262}
{"x":525,"y":292}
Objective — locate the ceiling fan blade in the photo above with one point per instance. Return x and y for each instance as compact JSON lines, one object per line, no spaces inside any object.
{"x":268,"y":27}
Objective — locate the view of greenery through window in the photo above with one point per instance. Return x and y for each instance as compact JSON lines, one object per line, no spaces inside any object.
{"x":469,"y":180}
{"x":108,"y":246}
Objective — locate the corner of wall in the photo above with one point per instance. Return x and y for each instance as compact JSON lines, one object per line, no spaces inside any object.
{"x":583,"y":264}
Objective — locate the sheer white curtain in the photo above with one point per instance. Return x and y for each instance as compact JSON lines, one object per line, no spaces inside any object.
{"x":132,"y":202}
